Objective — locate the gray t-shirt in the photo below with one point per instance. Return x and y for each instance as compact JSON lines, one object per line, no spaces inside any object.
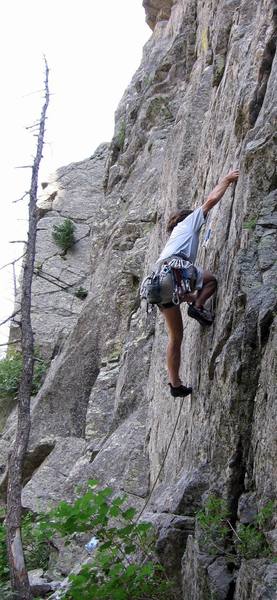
{"x":185,"y":236}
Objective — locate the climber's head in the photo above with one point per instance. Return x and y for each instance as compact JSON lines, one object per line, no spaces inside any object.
{"x":177,"y":217}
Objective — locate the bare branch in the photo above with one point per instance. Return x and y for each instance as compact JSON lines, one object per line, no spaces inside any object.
{"x":233,"y":530}
{"x":18,"y":241}
{"x":35,"y":124}
{"x":10,"y":343}
{"x":22,"y":197}
{"x":32,"y":93}
{"x":53,"y":282}
{"x":66,"y":284}
{"x":13,"y":261}
{"x":24,"y":167}
{"x":10,"y":317}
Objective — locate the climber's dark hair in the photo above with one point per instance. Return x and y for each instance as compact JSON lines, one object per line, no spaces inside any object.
{"x":176,"y":218}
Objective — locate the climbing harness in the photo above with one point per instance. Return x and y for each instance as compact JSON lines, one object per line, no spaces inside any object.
{"x":172,"y":278}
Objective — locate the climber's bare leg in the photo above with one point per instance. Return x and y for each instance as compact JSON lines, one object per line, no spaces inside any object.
{"x":174,"y":324}
{"x":208,"y":289}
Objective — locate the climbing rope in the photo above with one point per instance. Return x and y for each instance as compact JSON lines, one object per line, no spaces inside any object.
{"x":163,"y":462}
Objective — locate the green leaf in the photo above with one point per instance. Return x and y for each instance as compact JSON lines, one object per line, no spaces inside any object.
{"x":129,"y":548}
{"x":265,"y":515}
{"x":106,"y":492}
{"x":119,"y":500}
{"x":126,"y":530}
{"x":114,"y":511}
{"x":92,"y":483}
{"x":143,"y":527}
{"x":129,"y":514}
{"x":147,"y":569}
{"x":119,"y":594}
{"x":105,"y":546}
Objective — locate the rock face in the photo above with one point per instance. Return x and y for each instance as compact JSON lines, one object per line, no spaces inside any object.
{"x":74,"y":192}
{"x":203,"y":101}
{"x":157,"y":10}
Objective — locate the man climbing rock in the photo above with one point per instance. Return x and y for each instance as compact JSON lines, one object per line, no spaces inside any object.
{"x":184,"y":228}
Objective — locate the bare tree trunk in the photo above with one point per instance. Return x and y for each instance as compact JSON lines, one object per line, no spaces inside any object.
{"x":18,"y":571}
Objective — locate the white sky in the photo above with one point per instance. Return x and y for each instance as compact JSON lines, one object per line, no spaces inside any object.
{"x":93,"y":48}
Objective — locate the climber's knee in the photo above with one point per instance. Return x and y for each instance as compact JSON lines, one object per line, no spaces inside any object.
{"x":209,"y":279}
{"x":214,"y":282}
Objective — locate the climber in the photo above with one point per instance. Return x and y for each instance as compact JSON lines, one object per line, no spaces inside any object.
{"x":184,"y":227}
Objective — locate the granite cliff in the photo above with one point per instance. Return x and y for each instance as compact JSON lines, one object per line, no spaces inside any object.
{"x":202,"y":101}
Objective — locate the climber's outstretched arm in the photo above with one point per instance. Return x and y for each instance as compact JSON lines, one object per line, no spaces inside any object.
{"x":219,"y":190}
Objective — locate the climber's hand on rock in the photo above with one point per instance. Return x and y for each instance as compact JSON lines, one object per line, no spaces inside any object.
{"x":232,"y":176}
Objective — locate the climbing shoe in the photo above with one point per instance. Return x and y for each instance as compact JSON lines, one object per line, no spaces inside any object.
{"x":180,"y":391}
{"x":204,"y":317}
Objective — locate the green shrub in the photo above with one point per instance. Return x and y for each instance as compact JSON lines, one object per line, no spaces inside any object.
{"x":6,"y":591}
{"x":265,"y":515}
{"x":109,"y":579}
{"x":114,"y":571}
{"x":121,"y":135}
{"x":40,"y":369}
{"x":4,"y":565}
{"x":122,"y":564}
{"x":36,"y":549}
{"x":213,"y":524}
{"x":36,"y":546}
{"x":251,"y":224}
{"x":81,"y":293}
{"x":158,"y":108}
{"x":249,"y":541}
{"x":63,"y":234}
{"x":10,"y":374}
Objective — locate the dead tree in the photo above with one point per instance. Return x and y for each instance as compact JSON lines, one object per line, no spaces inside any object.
{"x":18,"y":571}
